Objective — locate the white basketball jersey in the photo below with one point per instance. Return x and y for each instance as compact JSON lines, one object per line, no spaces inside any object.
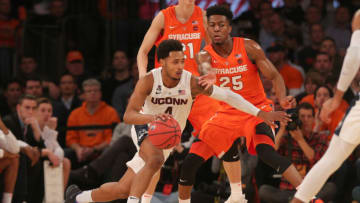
{"x":176,"y":101}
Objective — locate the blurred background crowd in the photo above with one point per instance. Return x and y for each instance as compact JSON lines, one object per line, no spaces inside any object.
{"x":68,"y":67}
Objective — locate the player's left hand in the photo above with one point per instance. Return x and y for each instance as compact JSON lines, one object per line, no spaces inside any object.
{"x":288,"y":102}
{"x":207,"y":80}
{"x":328,"y":108}
{"x":270,"y":117}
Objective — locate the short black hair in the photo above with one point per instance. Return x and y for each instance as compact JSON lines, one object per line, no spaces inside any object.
{"x":219,"y":10}
{"x":33,"y":78}
{"x":331,"y":94}
{"x":306,"y":106}
{"x":12,"y":81}
{"x":166,"y":46}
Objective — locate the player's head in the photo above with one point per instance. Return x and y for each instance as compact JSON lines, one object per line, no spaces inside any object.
{"x":171,"y":57}
{"x":219,"y":23}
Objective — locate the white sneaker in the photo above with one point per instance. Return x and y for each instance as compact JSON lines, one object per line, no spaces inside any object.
{"x":241,"y":200}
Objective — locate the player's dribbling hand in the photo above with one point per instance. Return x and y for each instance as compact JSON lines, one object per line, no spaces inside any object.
{"x":164,"y":117}
{"x":288,"y":102}
{"x":207,"y":80}
{"x":270,"y":117}
{"x":328,"y":108}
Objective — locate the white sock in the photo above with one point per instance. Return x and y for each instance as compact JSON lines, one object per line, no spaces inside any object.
{"x":334,"y":156}
{"x":132,"y":199}
{"x":236,"y":191}
{"x":84,"y":197}
{"x":7,"y":197}
{"x":184,"y":200}
{"x":146,"y":198}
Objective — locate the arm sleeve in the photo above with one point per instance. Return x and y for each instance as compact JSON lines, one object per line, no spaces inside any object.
{"x":9,"y":142}
{"x":351,"y":62}
{"x":234,"y":100}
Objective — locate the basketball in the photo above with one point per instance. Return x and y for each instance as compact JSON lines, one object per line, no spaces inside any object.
{"x":164,"y":134}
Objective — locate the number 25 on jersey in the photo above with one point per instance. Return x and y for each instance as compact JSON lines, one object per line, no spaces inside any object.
{"x":234,"y":82}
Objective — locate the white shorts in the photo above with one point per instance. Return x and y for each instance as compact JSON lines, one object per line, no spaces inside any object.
{"x":349,"y":127}
{"x":137,"y":163}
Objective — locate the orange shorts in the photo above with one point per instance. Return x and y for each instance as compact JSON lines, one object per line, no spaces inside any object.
{"x":201,"y":149}
{"x":202,"y":110}
{"x":220,"y":132}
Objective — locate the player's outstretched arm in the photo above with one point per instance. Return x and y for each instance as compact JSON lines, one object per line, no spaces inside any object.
{"x":237,"y":101}
{"x":265,"y":66}
{"x":149,"y":40}
{"x":208,"y":74}
{"x":349,"y":69}
{"x":142,"y":90}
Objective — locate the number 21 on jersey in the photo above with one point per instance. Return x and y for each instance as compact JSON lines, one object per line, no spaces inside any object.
{"x":234,"y":82}
{"x":189,"y":46}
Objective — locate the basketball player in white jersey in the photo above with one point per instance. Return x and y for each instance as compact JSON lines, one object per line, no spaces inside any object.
{"x":164,"y":92}
{"x":347,"y":135}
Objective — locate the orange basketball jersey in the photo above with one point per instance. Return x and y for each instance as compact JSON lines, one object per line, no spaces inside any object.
{"x":191,"y":34}
{"x":238,"y":73}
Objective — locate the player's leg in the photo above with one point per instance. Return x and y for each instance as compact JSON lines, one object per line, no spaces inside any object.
{"x":147,"y":196}
{"x":264,"y":142}
{"x":66,"y":171}
{"x":9,"y":167}
{"x":198,"y":154}
{"x":154,"y":159}
{"x":232,"y":166}
{"x":339,"y":149}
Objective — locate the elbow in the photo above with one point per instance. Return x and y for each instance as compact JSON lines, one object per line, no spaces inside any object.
{"x":127,"y":119}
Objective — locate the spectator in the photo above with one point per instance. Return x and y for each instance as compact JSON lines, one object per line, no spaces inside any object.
{"x":29,"y":71}
{"x":340,"y":30}
{"x":75,"y":67}
{"x":119,"y":74}
{"x":123,"y":92}
{"x":9,"y":162}
{"x":312,"y":16}
{"x":292,"y":11}
{"x":292,"y":74}
{"x":88,"y":142}
{"x":323,"y":64}
{"x":67,"y":102}
{"x":27,"y":185}
{"x":33,"y":87}
{"x":45,"y":137}
{"x":304,"y":148}
{"x":8,"y":39}
{"x":313,"y":79}
{"x":277,"y":31}
{"x":306,"y":56}
{"x":12,"y":93}
{"x":328,"y":46}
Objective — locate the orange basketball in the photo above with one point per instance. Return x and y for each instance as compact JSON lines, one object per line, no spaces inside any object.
{"x":164,"y":134}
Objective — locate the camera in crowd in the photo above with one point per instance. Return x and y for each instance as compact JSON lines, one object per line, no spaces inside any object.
{"x":295,"y":121}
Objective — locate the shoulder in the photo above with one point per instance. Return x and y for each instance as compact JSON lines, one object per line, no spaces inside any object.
{"x":253,"y":49}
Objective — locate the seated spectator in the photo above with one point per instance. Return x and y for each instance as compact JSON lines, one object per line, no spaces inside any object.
{"x":9,"y":162}
{"x":45,"y":137}
{"x":91,"y":124}
{"x":33,"y":87}
{"x":12,"y":93}
{"x":122,"y":93}
{"x":306,"y":56}
{"x":340,"y":29}
{"x":321,"y":94}
{"x":312,"y":16}
{"x":313,"y":79}
{"x":118,"y":75}
{"x":328,"y":46}
{"x":323,"y":64}
{"x":304,"y":148}
{"x":277,"y":31}
{"x":67,"y":102}
{"x":292,"y":74}
{"x":75,"y":67}
{"x":28,"y":185}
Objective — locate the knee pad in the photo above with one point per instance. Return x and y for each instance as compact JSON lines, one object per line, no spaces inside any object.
{"x":264,"y":129}
{"x":232,"y":154}
{"x":268,"y":155}
{"x":189,"y":168}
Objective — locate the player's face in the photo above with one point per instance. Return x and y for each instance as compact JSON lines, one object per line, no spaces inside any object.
{"x":218,"y":28}
{"x":174,"y":64}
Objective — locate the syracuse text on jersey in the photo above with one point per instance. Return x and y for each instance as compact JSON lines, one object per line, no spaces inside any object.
{"x":185,"y":36}
{"x":232,"y":70}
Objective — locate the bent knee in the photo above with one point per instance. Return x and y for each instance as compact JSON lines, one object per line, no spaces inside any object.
{"x":155,"y":162}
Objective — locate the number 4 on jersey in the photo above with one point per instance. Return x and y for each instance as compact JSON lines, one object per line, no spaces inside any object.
{"x":169,"y":110}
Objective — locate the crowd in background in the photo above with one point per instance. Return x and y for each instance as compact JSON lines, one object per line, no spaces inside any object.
{"x":67,"y":69}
